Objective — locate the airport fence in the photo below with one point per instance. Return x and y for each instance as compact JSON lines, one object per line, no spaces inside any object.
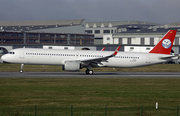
{"x":76,"y":110}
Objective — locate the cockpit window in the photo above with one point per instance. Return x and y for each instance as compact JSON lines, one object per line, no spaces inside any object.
{"x":11,"y":52}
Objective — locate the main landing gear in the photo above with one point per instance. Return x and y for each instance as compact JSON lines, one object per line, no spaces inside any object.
{"x":89,"y":71}
{"x":21,"y":71}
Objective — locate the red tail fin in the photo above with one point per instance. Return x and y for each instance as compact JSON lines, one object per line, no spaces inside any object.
{"x":165,"y":45}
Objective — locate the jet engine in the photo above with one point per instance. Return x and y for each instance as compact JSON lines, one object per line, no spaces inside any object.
{"x":71,"y":66}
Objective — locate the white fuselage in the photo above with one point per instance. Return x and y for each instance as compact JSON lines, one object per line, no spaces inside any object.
{"x":58,"y":57}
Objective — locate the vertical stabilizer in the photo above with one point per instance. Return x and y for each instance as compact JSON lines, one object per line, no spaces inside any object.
{"x":165,"y":45}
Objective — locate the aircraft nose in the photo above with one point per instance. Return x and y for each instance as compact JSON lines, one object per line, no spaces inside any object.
{"x":4,"y":58}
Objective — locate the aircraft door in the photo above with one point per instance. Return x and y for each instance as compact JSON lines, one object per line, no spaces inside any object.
{"x":21,"y":55}
{"x":148,"y":58}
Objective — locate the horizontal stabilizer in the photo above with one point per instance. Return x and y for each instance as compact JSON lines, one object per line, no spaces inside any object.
{"x":169,"y":57}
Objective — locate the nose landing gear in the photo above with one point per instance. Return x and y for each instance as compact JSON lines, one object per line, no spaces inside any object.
{"x":21,"y":71}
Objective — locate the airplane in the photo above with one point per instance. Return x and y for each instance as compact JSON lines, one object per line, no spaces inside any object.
{"x":74,"y":60}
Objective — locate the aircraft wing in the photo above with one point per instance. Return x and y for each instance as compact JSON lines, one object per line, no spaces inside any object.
{"x":95,"y":61}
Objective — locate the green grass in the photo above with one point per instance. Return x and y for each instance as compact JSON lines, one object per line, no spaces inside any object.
{"x":48,"y":68}
{"x":89,"y":95}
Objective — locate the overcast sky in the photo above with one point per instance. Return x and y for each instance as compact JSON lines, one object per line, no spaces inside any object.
{"x":156,"y":11}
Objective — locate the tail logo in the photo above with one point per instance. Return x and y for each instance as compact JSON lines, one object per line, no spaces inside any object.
{"x":166,"y":43}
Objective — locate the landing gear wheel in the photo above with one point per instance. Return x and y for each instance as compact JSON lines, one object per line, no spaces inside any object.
{"x":21,"y":71}
{"x":89,"y":72}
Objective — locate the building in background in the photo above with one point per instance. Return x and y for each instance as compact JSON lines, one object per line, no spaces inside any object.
{"x":52,"y":26}
{"x":62,"y":32}
{"x":100,"y":29}
{"x":138,"y":38}
{"x":45,"y":38}
{"x":129,"y":32}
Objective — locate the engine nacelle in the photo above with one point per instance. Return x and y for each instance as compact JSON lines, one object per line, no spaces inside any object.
{"x":71,"y":66}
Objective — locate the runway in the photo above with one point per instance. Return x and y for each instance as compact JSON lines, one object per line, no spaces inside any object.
{"x":95,"y":75}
